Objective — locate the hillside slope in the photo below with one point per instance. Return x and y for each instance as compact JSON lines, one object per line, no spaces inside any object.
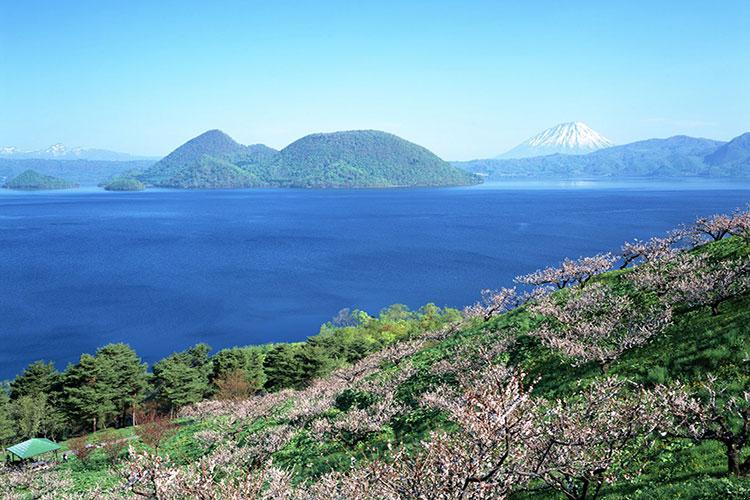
{"x":507,"y":400}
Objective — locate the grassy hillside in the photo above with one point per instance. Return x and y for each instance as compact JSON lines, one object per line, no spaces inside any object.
{"x":33,"y":181}
{"x":355,"y":159}
{"x":417,"y":416}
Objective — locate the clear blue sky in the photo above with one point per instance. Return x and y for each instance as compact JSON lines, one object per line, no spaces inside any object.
{"x":463,"y":78}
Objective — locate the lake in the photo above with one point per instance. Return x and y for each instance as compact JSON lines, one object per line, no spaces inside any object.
{"x":163,"y":270}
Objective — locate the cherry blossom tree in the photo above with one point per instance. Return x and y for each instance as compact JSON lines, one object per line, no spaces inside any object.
{"x":589,"y":440}
{"x":597,"y":325}
{"x":694,"y":280}
{"x":706,"y":413}
{"x":570,"y":272}
{"x":741,"y":227}
{"x":155,"y":431}
{"x":228,"y":471}
{"x":492,"y":409}
{"x":715,"y":227}
{"x":496,"y":302}
{"x":651,"y":250}
{"x":19,"y":483}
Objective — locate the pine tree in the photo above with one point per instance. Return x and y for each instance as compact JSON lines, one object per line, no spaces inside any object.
{"x":182,"y":378}
{"x":248,"y":360}
{"x":38,"y":378}
{"x":282,"y":367}
{"x":88,"y":392}
{"x":127,"y":376}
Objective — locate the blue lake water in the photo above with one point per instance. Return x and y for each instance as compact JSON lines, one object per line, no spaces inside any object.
{"x":162,"y":270}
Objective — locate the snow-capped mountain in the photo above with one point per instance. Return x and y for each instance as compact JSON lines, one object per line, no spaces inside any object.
{"x":58,"y":149}
{"x":572,"y":138}
{"x":63,"y":152}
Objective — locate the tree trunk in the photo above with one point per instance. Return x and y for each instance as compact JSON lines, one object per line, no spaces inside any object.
{"x":715,"y":309}
{"x":584,"y":493}
{"x":733,"y":458}
{"x":94,"y":425}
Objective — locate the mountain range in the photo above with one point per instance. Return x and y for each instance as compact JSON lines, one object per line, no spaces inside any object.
{"x":369,"y":158}
{"x":357,"y":158}
{"x":678,"y":156}
{"x":570,"y":138}
{"x":63,"y":152}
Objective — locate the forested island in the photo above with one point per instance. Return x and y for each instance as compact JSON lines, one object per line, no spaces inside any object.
{"x":124,"y":184}
{"x":352,"y":159}
{"x":31,"y":180}
{"x":620,"y":375}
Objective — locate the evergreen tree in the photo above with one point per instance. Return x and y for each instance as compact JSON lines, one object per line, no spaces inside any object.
{"x":89,"y":392}
{"x":254,"y":371}
{"x":248,"y":360}
{"x":313,"y":361}
{"x":282,"y":367}
{"x":38,"y":378}
{"x":182,"y":378}
{"x":126,"y":375}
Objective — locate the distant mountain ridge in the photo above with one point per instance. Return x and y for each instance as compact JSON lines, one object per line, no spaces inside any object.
{"x":63,"y":152}
{"x":678,"y":156}
{"x":571,"y":138}
{"x":736,"y":151}
{"x":359,"y":158}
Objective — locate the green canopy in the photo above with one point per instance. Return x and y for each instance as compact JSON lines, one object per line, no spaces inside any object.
{"x":33,"y":447}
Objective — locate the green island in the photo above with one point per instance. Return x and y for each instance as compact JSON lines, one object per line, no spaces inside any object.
{"x":30,"y":180}
{"x":600,"y":382}
{"x":352,"y":159}
{"x":124,"y":184}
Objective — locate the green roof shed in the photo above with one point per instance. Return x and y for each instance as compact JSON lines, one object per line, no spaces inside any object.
{"x":33,"y":447}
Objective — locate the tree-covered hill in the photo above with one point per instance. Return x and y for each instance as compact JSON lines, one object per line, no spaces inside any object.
{"x":364,"y":158}
{"x":354,"y":159}
{"x":617,"y":376}
{"x":197,"y":161}
{"x":31,"y":180}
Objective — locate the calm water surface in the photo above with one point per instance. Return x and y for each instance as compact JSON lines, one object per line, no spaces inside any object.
{"x":162,"y":270}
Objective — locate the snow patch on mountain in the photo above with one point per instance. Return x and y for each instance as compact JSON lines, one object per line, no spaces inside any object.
{"x":566,"y":138}
{"x":62,"y":152}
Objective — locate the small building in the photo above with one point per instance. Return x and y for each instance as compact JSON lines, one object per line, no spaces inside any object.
{"x":32,"y":447}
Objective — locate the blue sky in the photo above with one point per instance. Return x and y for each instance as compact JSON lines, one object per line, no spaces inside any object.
{"x":466,"y":79}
